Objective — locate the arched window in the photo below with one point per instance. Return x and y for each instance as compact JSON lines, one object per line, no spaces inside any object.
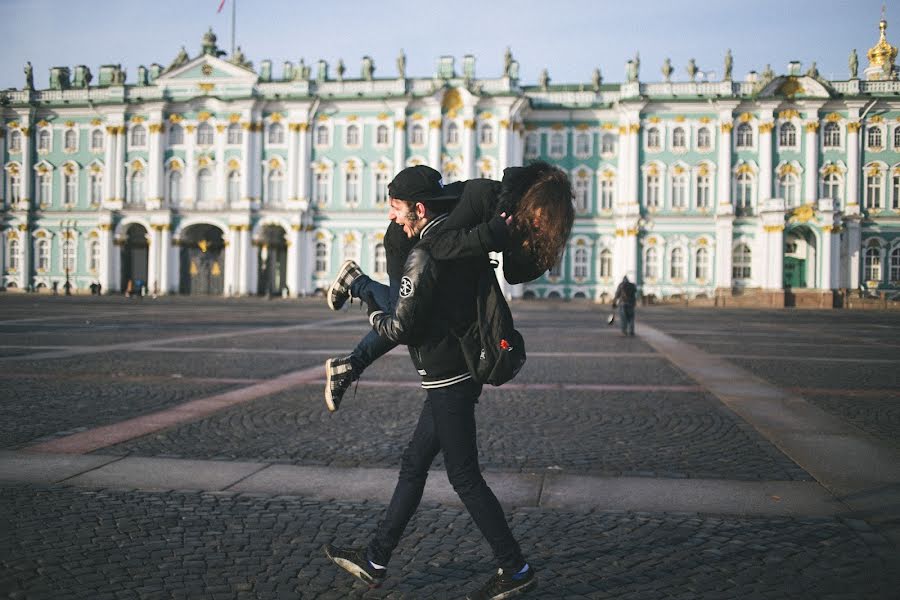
{"x":532,"y":145}
{"x":679,"y":140}
{"x":679,"y":191}
{"x":653,"y":141}
{"x":138,"y":136}
{"x":351,"y":187}
{"x":874,"y":137}
{"x":605,"y":263}
{"x":607,"y":193}
{"x":204,"y":186}
{"x":701,"y":264}
{"x":136,"y":189}
{"x":43,"y":144}
{"x":787,"y":135}
{"x":96,"y":187}
{"x":486,"y":134}
{"x":321,"y":187}
{"x":380,"y":266}
{"x":831,"y":186}
{"x":452,"y":134}
{"x":582,"y":144}
{"x":895,"y":264}
{"x":235,"y":134}
{"x":321,"y":257}
{"x":96,"y":140}
{"x":381,"y":187}
{"x":740,"y":262}
{"x":703,"y":190}
{"x":94,"y":256}
{"x":704,"y":139}
{"x":744,"y":189}
{"x":608,"y":144}
{"x":70,"y":189}
{"x":43,"y":255}
{"x":557,"y":144}
{"x":417,"y":135}
{"x":275,"y":187}
{"x":176,"y":135}
{"x":653,"y":192}
{"x":582,"y":193}
{"x":676,"y":264}
{"x":874,"y":193}
{"x":205,"y":134}
{"x":44,"y":189}
{"x":15,"y":188}
{"x":174,"y":190}
{"x":382,"y":136}
{"x":323,"y":135}
{"x":873,"y":264}
{"x":651,"y":263}
{"x":15,"y":141}
{"x":276,"y":134}
{"x":831,"y":135}
{"x":353,"y":135}
{"x":744,"y":137}
{"x":788,"y":189}
{"x":70,"y":141}
{"x":233,"y":191}
{"x":13,"y":259}
{"x":580,"y":263}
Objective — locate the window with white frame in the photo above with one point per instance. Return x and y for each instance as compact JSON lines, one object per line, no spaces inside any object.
{"x":138,"y":136}
{"x":582,"y":193}
{"x":679,"y":190}
{"x":651,"y":264}
{"x":382,"y":136}
{"x":175,"y":179}
{"x":557,"y":144}
{"x":452,"y":134}
{"x":381,"y":187}
{"x":895,"y":264}
{"x":323,"y":136}
{"x":352,"y":137}
{"x":95,"y":186}
{"x":704,"y":139}
{"x":275,"y":187}
{"x":321,"y":186}
{"x":831,"y":135}
{"x":679,"y":139}
{"x":96,"y":141}
{"x":701,"y":264}
{"x":70,"y":189}
{"x":872,"y":271}
{"x":789,"y":189}
{"x":653,"y":191}
{"x":744,"y":136}
{"x":15,"y":187}
{"x":605,"y":264}
{"x":321,"y":257}
{"x":896,"y":138}
{"x":583,"y":144}
{"x":15,"y":141}
{"x":204,"y":186}
{"x":44,"y":189}
{"x":703,"y":190}
{"x":176,"y":135}
{"x":94,"y":256}
{"x":205,"y":134}
{"x":787,"y":135}
{"x":895,"y":189}
{"x":580,"y":263}
{"x":44,"y":138}
{"x":607,"y":144}
{"x":12,"y":261}
{"x":68,"y":255}
{"x":276,"y":134}
{"x":741,"y":260}
{"x":744,"y":191}
{"x":532,"y":145}
{"x":233,"y":189}
{"x":351,"y":187}
{"x":873,"y":138}
{"x":831,"y":186}
{"x":43,"y":255}
{"x":70,"y":140}
{"x":676,"y":264}
{"x":235,"y":134}
{"x":874,"y":192}
{"x":380,"y":265}
{"x":351,"y":249}
{"x":486,"y":134}
{"x":417,"y":135}
{"x":607,"y":193}
{"x":653,"y":139}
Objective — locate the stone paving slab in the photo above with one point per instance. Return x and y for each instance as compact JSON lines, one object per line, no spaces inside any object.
{"x":878,"y":414}
{"x":165,"y":474}
{"x":650,"y":434}
{"x":19,"y":467}
{"x":105,"y":545}
{"x":791,"y":373}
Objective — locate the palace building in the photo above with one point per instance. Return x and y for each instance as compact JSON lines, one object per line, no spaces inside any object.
{"x":211,"y":177}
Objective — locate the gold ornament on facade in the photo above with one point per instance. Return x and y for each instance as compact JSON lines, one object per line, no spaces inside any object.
{"x":137,"y":165}
{"x":620,"y":232}
{"x":744,"y":169}
{"x":679,"y":119}
{"x":634,"y":128}
{"x":204,"y":116}
{"x":43,"y":123}
{"x":156,"y":127}
{"x":504,"y":124}
{"x":351,"y":166}
{"x":70,"y":124}
{"x":175,"y":165}
{"x":485,"y":116}
{"x":452,"y":101}
{"x":608,"y":175}
{"x":69,"y":169}
{"x":417,"y":117}
{"x":875,"y":119}
{"x":320,"y":237}
{"x":653,"y":171}
{"x":705,"y":120}
{"x":352,"y":118}
{"x":773,"y":228}
{"x":654,"y":120}
{"x":582,"y":127}
{"x":788,"y":114}
{"x":791,"y":87}
{"x":320,"y":168}
{"x":233,"y":165}
{"x":42,"y":169}
{"x":833,"y":117}
{"x":469,"y":124}
{"x":703,"y":171}
{"x":434,"y":124}
{"x":787,"y":169}
{"x":247,"y":126}
{"x":702,"y":242}
{"x":874,"y":171}
{"x":203,"y":161}
{"x":13,"y":125}
{"x":631,"y":231}
{"x":853,"y":126}
{"x":678,"y":170}
{"x":322,"y":118}
{"x":745,"y":117}
{"x":234,"y":118}
{"x":275,"y":117}
{"x":175,"y":118}
{"x":96,"y":122}
{"x":206,"y":87}
{"x":831,"y":169}
{"x":13,"y":169}
{"x":383,"y":116}
{"x":882,"y":53}
{"x":727,"y":127}
{"x":583,"y":173}
{"x":557,"y":127}
{"x":25,"y":131}
{"x":220,"y":128}
{"x":206,"y":69}
{"x":803,"y":214}
{"x":766,"y":127}
{"x":190,"y":128}
{"x":608,"y":126}
{"x":136,"y":120}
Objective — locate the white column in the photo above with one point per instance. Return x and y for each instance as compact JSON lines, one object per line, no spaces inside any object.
{"x":155,"y":166}
{"x":854,"y":242}
{"x":810,"y":188}
{"x":773,"y":260}
{"x":256,"y":161}
{"x":726,"y":205}
{"x":399,"y":144}
{"x":293,"y":261}
{"x":853,"y":168}
{"x":120,"y":163}
{"x":304,"y":160}
{"x":293,"y":164}
{"x":826,"y":270}
{"x":253,"y":268}
{"x":724,"y":235}
{"x":27,"y":174}
{"x":190,"y":165}
{"x":243,"y":260}
{"x":504,"y":150}
{"x":246,"y":184}
{"x":765,"y":162}
{"x":25,"y":256}
{"x":109,"y":165}
{"x":434,"y":143}
{"x":230,"y":262}
{"x":165,"y":257}
{"x":220,"y":179}
{"x":153,"y":282}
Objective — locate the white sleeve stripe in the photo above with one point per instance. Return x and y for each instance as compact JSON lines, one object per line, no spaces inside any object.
{"x":373,"y":315}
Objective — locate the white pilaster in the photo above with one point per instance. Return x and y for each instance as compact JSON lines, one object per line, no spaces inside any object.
{"x":243,"y":260}
{"x":293,"y":164}
{"x":153,"y":282}
{"x":246,"y":184}
{"x":119,"y":166}
{"x":190,"y":166}
{"x":434,"y":141}
{"x":155,"y":163}
{"x":504,"y":149}
{"x":810,"y":189}
{"x":765,"y":163}
{"x":109,"y":165}
{"x":399,"y":142}
{"x":26,"y":253}
{"x":853,"y":168}
{"x":221,"y":180}
{"x":165,"y":259}
{"x":303,"y":168}
{"x":854,"y":242}
{"x":724,"y":236}
{"x":255,"y":160}
{"x":26,"y":199}
{"x":293,"y":261}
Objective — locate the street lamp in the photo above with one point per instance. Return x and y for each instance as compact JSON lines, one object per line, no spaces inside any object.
{"x":68,"y":226}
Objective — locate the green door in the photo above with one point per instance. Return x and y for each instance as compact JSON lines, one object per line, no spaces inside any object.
{"x":794,"y":272}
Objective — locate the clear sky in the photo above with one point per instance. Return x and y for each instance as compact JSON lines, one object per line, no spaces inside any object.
{"x":569,"y":37}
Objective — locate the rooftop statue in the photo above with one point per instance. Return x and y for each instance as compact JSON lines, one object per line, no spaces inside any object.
{"x":729,"y":64}
{"x":597,"y":79}
{"x":853,"y":63}
{"x":544,"y":80}
{"x":401,"y":65}
{"x":29,"y":76}
{"x":507,"y":62}
{"x":180,"y":59}
{"x":341,"y":69}
{"x":368,"y":68}
{"x":667,"y":70}
{"x":692,"y":69}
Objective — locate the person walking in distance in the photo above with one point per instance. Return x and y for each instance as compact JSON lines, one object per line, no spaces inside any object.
{"x":625,"y":300}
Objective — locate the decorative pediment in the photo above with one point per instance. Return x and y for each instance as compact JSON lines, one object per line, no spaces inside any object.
{"x":208,"y":69}
{"x":796,"y":87}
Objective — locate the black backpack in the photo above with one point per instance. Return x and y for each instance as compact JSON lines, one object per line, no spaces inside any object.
{"x":493,"y":349}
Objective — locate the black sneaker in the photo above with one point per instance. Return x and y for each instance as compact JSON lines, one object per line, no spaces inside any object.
{"x":502,"y":585}
{"x":354,"y":561}
{"x":338,"y":378}
{"x":339,"y":292}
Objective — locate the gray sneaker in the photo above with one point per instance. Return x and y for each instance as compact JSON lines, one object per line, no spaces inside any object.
{"x":339,"y":292}
{"x":339,"y":377}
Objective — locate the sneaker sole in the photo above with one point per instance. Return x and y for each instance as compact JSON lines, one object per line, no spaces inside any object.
{"x":354,"y":570}
{"x":329,"y":399}
{"x":334,"y":284}
{"x":516,"y":592}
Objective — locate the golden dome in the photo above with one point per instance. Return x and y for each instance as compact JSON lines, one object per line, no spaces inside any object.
{"x":882,"y":53}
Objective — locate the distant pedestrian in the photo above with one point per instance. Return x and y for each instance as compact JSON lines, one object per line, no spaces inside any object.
{"x":625,"y":300}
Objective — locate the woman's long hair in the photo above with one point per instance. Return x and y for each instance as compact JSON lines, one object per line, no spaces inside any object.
{"x":545,"y":215}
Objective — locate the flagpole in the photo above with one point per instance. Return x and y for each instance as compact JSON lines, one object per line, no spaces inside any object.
{"x":233,"y":10}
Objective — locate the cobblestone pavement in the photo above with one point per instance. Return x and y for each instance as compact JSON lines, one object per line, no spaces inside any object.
{"x":97,"y":545}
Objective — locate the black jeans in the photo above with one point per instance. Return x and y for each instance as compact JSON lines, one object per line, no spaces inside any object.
{"x":447,"y":424}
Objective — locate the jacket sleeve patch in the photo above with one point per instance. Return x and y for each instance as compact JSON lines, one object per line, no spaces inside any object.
{"x":406,"y":287}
